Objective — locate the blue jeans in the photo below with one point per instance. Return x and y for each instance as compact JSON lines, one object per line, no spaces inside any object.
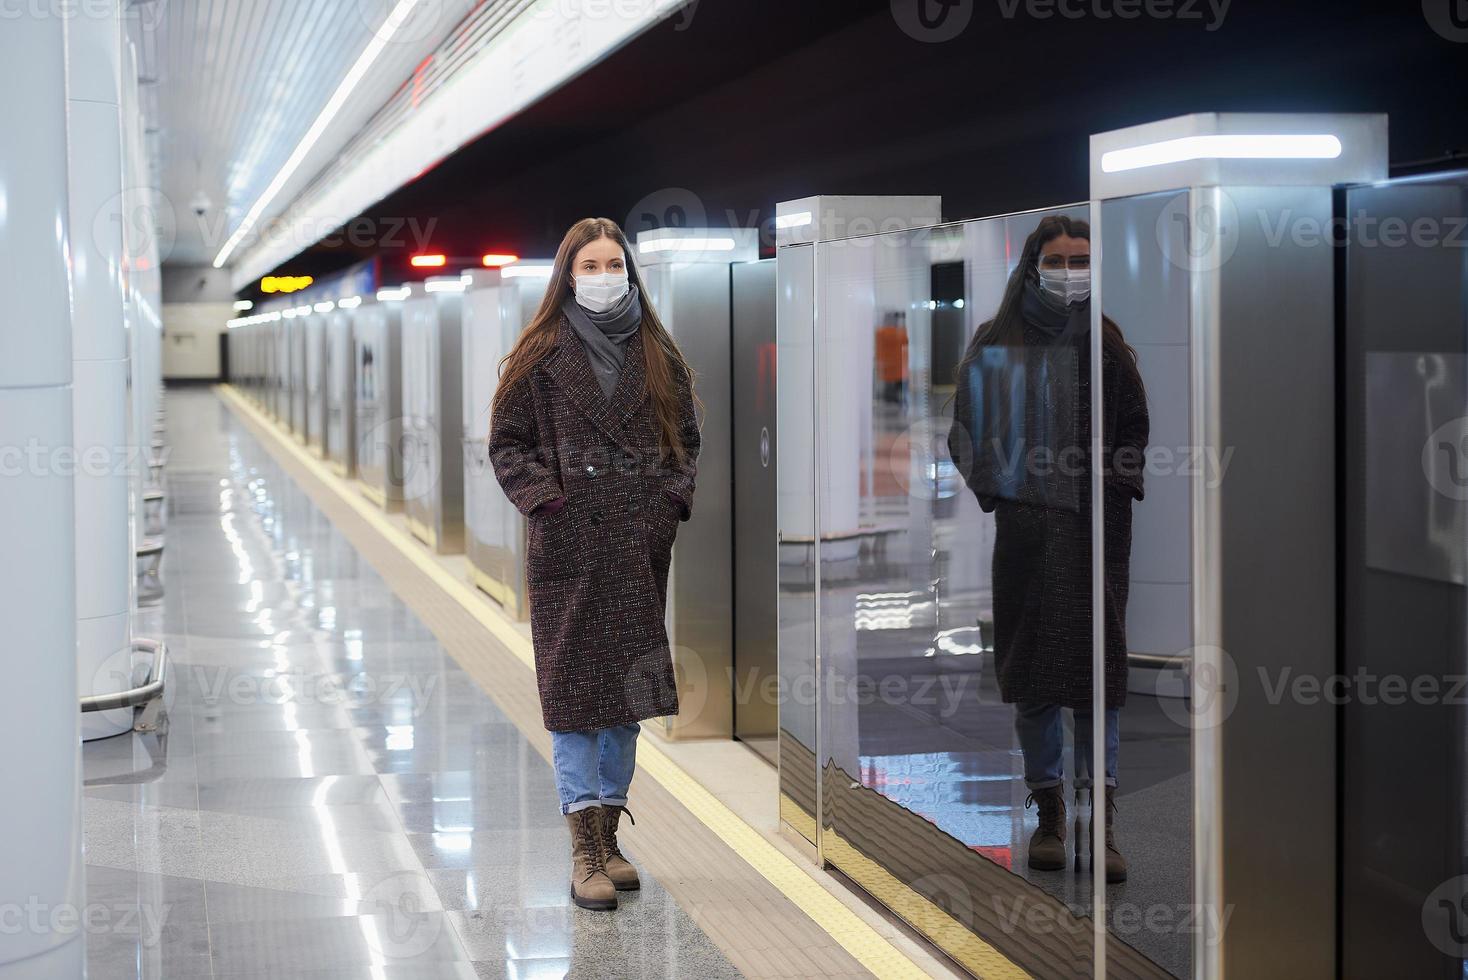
{"x":1042,"y":740}
{"x":594,"y":767}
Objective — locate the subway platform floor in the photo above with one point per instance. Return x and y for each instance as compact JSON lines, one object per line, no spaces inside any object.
{"x":335,"y":796}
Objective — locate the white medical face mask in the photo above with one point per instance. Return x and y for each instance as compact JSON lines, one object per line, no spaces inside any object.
{"x":601,"y":292}
{"x":1068,"y":286}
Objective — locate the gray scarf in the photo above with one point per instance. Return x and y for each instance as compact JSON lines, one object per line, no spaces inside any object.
{"x":605,"y":335}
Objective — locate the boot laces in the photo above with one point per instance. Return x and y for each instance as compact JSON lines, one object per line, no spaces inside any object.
{"x":609,"y":830}
{"x":1049,"y":803}
{"x":586,"y":841}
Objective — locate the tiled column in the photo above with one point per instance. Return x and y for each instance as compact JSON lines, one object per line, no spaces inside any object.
{"x":40,"y":825}
{"x":100,"y":365}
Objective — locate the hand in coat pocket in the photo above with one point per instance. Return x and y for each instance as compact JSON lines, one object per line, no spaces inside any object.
{"x":551,"y":545}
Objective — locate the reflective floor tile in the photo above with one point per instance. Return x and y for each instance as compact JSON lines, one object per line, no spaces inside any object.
{"x":279,"y":946}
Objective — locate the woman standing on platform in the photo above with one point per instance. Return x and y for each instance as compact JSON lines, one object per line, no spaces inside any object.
{"x":594,"y":436}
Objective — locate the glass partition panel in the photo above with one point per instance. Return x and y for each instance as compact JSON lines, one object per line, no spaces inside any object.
{"x":955,"y":583}
{"x":795,"y":519}
{"x":1151,"y":462}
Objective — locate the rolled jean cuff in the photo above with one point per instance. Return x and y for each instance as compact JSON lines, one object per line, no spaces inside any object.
{"x":1085,"y":782}
{"x":1043,"y":783}
{"x":579,"y":805}
{"x":613,"y":801}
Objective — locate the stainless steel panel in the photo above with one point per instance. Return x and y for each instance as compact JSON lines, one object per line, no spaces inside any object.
{"x":1405,"y":609}
{"x":279,"y":380}
{"x":1270,"y":349}
{"x":316,"y":412}
{"x":494,"y":315}
{"x":433,"y":478}
{"x":755,"y":529}
{"x":378,"y":397}
{"x":341,"y":414}
{"x":300,"y":416}
{"x":693,"y":301}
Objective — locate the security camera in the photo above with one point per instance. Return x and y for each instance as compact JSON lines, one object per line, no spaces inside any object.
{"x":201,"y":204}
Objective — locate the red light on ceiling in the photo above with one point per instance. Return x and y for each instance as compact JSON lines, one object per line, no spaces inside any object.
{"x":496,"y":259}
{"x":429,"y":261}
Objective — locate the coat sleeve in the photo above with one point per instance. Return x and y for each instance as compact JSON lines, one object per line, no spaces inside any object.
{"x":682,"y":479}
{"x":1133,"y":427}
{"x":515,"y":453}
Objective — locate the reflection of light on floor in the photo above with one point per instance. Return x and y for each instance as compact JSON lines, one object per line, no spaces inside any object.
{"x":940,"y":788}
{"x":952,"y":641}
{"x":889,"y":610}
{"x":399,"y":738}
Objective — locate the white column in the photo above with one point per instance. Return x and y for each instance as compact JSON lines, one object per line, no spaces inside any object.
{"x":100,"y":366}
{"x":40,"y":828}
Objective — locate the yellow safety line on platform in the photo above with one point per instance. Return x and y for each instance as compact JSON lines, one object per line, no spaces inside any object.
{"x":864,"y":943}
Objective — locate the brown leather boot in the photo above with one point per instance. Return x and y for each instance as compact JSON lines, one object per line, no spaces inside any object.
{"x":1047,"y":846}
{"x":1116,"y":866}
{"x":619,"y":869}
{"x":590,"y":886}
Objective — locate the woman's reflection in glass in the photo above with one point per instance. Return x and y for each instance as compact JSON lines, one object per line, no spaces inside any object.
{"x":1021,"y":438}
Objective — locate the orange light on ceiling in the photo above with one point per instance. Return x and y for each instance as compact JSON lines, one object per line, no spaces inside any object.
{"x":429,"y":261}
{"x":496,"y":259}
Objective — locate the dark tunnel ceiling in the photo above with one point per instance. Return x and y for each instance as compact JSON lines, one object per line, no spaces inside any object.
{"x":759,"y":101}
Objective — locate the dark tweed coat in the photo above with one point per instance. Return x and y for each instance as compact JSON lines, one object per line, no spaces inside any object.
{"x":597,"y":569}
{"x":1042,"y":546}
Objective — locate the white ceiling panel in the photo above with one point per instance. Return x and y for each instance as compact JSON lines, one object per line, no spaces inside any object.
{"x":232,"y":86}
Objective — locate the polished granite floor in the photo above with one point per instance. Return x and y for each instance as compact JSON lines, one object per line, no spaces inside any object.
{"x":334,"y":797}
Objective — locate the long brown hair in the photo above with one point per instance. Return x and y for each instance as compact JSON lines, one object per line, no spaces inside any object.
{"x":661,"y":356}
{"x":1007,"y":327}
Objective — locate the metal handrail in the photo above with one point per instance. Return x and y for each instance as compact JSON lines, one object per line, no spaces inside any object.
{"x":149,"y":690}
{"x":1160,"y":661}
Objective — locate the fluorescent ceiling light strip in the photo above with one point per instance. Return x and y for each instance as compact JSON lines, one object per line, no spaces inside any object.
{"x":1273,"y":146}
{"x":686,"y":245}
{"x":514,"y":271}
{"x":350,"y":303}
{"x":444,"y":286}
{"x":243,"y":304}
{"x":380,"y":40}
{"x":393,"y":295}
{"x":797,"y":220}
{"x":325,"y":307}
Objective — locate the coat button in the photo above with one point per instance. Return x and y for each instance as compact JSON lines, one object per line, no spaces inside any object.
{"x":592,"y":471}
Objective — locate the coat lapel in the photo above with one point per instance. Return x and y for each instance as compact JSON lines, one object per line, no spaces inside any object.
{"x":571,"y":370}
